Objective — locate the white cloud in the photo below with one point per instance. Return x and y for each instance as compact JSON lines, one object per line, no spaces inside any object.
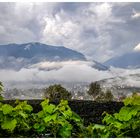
{"x":55,"y":65}
{"x":137,"y":48}
{"x":135,"y":14}
{"x":76,"y":71}
{"x":70,"y":30}
{"x":57,"y":31}
{"x":69,"y":73}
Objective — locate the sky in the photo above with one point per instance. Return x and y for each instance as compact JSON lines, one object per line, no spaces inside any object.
{"x":98,"y":30}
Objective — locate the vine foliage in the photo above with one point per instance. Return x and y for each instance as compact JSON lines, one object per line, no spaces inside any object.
{"x":19,"y":120}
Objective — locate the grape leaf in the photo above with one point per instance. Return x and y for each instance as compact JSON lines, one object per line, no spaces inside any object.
{"x":65,"y":131}
{"x":9,"y":124}
{"x":50,"y":117}
{"x":126,"y":113}
{"x":7,"y":109}
{"x":49,"y":108}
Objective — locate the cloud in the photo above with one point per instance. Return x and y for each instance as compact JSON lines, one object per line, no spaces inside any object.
{"x":57,"y":31}
{"x":98,"y":30}
{"x":47,"y":66}
{"x":137,"y":48}
{"x":135,"y":14}
{"x":69,"y":72}
{"x":89,"y":36}
{"x":124,"y":77}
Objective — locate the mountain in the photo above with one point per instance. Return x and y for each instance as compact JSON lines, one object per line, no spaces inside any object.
{"x":128,"y":60}
{"x":41,"y":56}
{"x":38,"y":50}
{"x":122,"y":84}
{"x":22,"y":55}
{"x":99,"y":66}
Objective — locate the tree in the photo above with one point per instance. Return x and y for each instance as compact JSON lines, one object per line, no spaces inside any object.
{"x":122,"y":98}
{"x":1,"y":89}
{"x":57,"y":92}
{"x":94,"y":89}
{"x":104,"y":96}
{"x":97,"y":93}
{"x":108,"y":95}
{"x":100,"y":97}
{"x":134,"y":93}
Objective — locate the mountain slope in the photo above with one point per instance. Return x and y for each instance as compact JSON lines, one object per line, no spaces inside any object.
{"x":41,"y":56}
{"x":22,"y":55}
{"x":122,"y":84}
{"x":129,"y":60}
{"x":99,"y":66}
{"x":34,"y":50}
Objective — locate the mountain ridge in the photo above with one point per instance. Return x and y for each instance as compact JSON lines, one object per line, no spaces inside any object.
{"x":18,"y":56}
{"x":127,"y":60}
{"x":29,"y":50}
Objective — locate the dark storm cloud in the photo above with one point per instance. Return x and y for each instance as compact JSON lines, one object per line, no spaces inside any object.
{"x":99,"y":30}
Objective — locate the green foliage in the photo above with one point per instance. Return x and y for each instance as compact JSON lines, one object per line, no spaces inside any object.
{"x":96,"y":131}
{"x":126,"y":123}
{"x":9,"y":124}
{"x":61,"y":122}
{"x":6,"y":109}
{"x":56,"y":121}
{"x":132,"y":100}
{"x":52,"y":121}
{"x":57,"y":92}
{"x":15,"y":119}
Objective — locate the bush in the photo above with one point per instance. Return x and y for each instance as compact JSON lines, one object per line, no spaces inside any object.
{"x":57,"y":92}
